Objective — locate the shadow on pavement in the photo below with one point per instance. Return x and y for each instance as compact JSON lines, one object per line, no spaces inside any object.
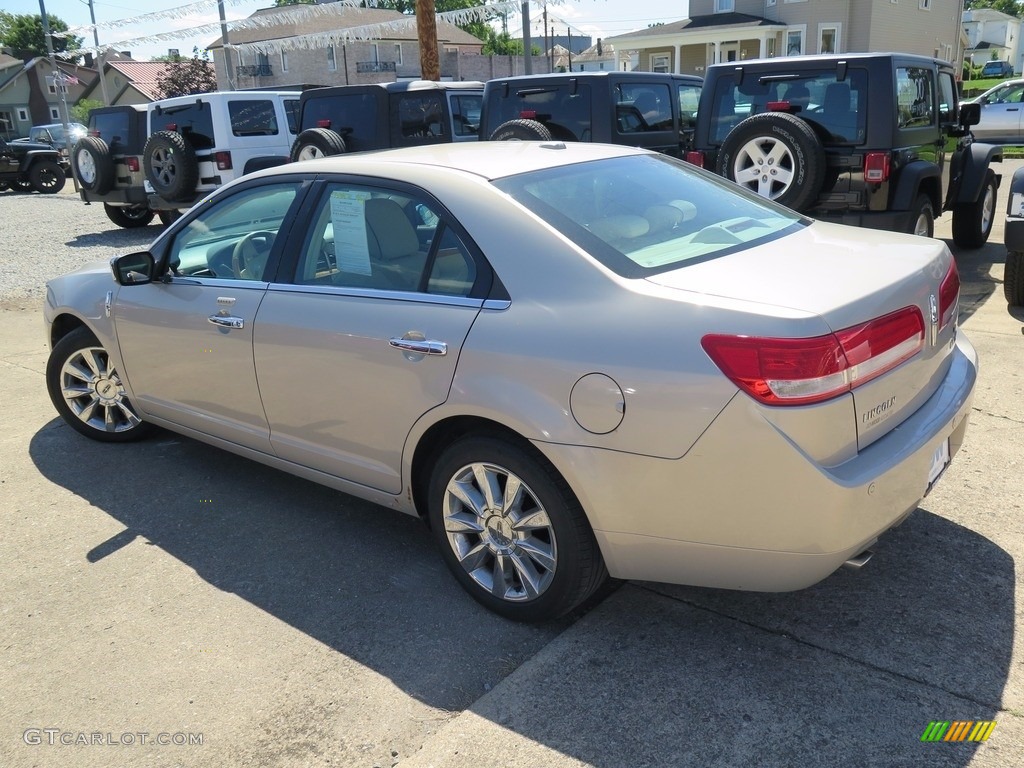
{"x":117,"y":237}
{"x":976,"y":281}
{"x":662,"y":675}
{"x":359,"y":578}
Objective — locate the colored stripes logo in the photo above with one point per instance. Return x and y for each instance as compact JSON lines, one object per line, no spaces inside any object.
{"x":958,"y":730}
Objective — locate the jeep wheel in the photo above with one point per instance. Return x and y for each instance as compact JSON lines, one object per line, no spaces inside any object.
{"x":317,"y":142}
{"x":46,"y":176}
{"x":22,"y":185}
{"x":1013,"y":279}
{"x":92,"y":165}
{"x":521,"y":130}
{"x":776,"y":155}
{"x":129,"y":217}
{"x":171,"y":165}
{"x":169,"y":217}
{"x":4,"y":186}
{"x":972,"y":222}
{"x":922,"y":220}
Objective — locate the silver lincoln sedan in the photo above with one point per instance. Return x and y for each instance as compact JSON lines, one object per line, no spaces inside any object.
{"x":575,"y":361}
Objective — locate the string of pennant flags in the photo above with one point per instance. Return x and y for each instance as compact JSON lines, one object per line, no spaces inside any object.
{"x":294,"y":15}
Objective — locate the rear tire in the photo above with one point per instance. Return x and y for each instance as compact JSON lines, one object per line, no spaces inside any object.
{"x":922,"y":221}
{"x":129,"y":217}
{"x":511,"y":530}
{"x":521,"y":130}
{"x":972,"y":222}
{"x":46,"y":177}
{"x":1013,"y":279}
{"x":317,"y":142}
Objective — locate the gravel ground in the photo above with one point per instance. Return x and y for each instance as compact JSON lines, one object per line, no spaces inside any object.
{"x":43,"y":236}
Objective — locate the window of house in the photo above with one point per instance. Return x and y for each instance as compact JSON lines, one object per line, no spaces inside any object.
{"x":828,"y":38}
{"x":284,"y":61}
{"x":659,"y":62}
{"x":51,"y":88}
{"x":795,"y":41}
{"x":398,"y":54}
{"x":725,"y":6}
{"x":795,"y":1}
{"x":54,"y":113}
{"x":769,"y":2}
{"x":925,"y":5}
{"x":332,"y":62}
{"x":375,"y":53}
{"x":241,"y":59}
{"x":22,"y":115}
{"x":771,"y":47}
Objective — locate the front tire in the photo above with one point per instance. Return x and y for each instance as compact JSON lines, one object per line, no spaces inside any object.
{"x":47,"y":177}
{"x":511,"y":531}
{"x":972,"y":222}
{"x":775,"y":155}
{"x":129,"y":217}
{"x":87,"y":391}
{"x":1013,"y":279}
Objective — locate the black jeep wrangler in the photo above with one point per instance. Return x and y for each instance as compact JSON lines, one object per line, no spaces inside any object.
{"x":26,"y":165}
{"x":640,"y":109}
{"x":874,"y":139}
{"x":357,"y":118}
{"x":108,"y":165}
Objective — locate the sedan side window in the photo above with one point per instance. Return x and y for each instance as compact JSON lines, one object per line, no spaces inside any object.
{"x":377,"y":239}
{"x":234,"y":238}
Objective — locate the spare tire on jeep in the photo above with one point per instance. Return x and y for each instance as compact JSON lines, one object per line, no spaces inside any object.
{"x":92,"y":164}
{"x":171,"y":165}
{"x":521,"y":130}
{"x":317,"y":142}
{"x":776,"y":155}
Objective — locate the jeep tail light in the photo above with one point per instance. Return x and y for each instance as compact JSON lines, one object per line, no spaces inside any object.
{"x":223,"y":160}
{"x":95,"y":134}
{"x":876,"y":166}
{"x":778,"y":106}
{"x":171,"y":127}
{"x":778,"y":371}
{"x":695,"y":157}
{"x":949,"y":295}
{"x":528,"y":114}
{"x":132,"y":163}
{"x":323,"y":123}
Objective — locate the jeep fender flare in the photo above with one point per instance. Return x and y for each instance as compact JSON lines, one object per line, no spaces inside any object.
{"x":976,"y":159}
{"x":918,"y":177}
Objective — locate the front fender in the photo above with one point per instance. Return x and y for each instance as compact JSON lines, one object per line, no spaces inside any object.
{"x":1013,"y":235}
{"x":975,"y":159}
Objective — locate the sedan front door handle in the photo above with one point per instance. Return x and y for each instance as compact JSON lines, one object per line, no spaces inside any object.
{"x":420,"y":346}
{"x":227,"y":321}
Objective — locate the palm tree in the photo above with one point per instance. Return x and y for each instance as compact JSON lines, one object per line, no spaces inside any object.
{"x":426,"y":30}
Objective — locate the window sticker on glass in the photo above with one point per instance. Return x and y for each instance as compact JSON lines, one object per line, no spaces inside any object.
{"x":348,"y":218}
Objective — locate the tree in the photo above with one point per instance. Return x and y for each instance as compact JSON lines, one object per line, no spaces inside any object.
{"x":426,"y":31}
{"x":80,"y":112}
{"x":1009,"y":7}
{"x":24,"y":32}
{"x":184,"y":77}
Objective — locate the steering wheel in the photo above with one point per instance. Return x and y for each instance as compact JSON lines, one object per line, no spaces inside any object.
{"x":249,"y":256}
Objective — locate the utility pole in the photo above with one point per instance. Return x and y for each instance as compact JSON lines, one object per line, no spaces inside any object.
{"x":58,"y":82}
{"x":228,"y":68}
{"x":99,"y":55}
{"x":527,"y":45}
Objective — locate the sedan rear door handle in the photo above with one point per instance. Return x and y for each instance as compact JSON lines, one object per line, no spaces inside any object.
{"x":420,"y":346}
{"x":227,"y":321}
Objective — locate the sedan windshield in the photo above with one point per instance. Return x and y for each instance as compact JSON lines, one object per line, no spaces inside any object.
{"x":644,"y":214}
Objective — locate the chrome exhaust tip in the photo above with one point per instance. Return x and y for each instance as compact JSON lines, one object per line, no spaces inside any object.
{"x":857,"y":562}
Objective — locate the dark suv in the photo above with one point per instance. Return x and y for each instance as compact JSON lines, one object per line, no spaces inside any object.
{"x":25,"y":165}
{"x":641,"y":109}
{"x":107,"y":163}
{"x":356,"y":118}
{"x":876,"y":140}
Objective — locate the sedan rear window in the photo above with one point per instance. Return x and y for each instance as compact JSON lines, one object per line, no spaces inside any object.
{"x":645,"y":214}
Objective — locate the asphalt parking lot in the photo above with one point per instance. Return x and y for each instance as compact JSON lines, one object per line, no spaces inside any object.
{"x":168,"y":604}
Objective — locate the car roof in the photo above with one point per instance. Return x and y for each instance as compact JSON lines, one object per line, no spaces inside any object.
{"x":569,"y":76}
{"x":487,"y":159}
{"x":802,"y":62}
{"x":401,"y":86}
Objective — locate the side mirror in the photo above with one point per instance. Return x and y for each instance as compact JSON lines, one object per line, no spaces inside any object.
{"x":133,"y":268}
{"x":970,"y":114}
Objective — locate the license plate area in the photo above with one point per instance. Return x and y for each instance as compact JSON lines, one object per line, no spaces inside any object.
{"x":940,"y":460}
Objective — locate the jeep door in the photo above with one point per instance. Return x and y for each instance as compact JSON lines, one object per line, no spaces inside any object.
{"x":919,"y":134}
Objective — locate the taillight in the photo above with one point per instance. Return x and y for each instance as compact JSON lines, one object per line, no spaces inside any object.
{"x":132,"y":163}
{"x":778,"y":106}
{"x":949,"y":294}
{"x":695,"y":157}
{"x":778,"y":371}
{"x":171,"y":127}
{"x":876,"y":166}
{"x":94,"y":133}
{"x":223,"y":161}
{"x":323,"y":123}
{"x":528,"y":114}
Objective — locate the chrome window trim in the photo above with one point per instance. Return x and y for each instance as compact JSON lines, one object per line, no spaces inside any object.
{"x":371,"y":293}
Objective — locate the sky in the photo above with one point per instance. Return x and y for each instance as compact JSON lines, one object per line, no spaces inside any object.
{"x":597,"y":18}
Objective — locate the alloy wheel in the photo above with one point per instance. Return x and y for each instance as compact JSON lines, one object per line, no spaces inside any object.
{"x":93,"y":392}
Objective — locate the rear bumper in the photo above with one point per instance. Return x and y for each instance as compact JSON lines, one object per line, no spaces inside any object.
{"x":754,"y":512}
{"x":132,"y":196}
